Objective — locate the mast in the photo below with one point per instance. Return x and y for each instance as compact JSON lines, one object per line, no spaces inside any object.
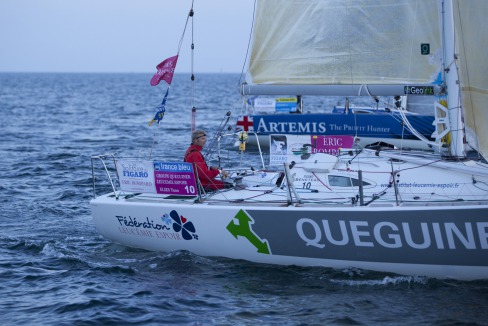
{"x":453,"y":83}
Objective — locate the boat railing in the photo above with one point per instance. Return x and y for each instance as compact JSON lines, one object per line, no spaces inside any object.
{"x":103,"y":160}
{"x":236,"y":137}
{"x":108,"y":170}
{"x":259,"y":148}
{"x":214,"y":141}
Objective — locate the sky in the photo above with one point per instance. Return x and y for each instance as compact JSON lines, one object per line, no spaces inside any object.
{"x":122,"y":35}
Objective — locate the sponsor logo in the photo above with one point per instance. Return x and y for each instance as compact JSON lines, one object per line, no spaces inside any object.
{"x":174,"y":226}
{"x":243,"y":229}
{"x":133,"y":170}
{"x":393,"y":235}
{"x":454,"y":238}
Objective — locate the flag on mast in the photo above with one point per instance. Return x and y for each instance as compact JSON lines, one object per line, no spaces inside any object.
{"x":165,"y":71}
{"x":161,"y":109}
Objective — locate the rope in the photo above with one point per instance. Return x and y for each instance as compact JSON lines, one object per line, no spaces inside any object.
{"x":248,"y":46}
{"x":156,"y":132}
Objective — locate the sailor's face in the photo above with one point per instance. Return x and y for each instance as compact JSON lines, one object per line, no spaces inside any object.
{"x":201,"y":140}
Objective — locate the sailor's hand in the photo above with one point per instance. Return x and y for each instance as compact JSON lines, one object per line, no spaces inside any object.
{"x":224,"y":174}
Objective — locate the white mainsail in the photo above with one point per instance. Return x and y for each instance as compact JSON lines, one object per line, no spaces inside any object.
{"x":345,"y":42}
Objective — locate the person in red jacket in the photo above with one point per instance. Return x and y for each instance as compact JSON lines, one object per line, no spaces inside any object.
{"x":205,"y":174}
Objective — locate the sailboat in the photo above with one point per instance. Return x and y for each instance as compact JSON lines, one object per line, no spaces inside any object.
{"x":318,"y":201}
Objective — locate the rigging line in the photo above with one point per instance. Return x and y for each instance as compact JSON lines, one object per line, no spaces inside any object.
{"x":261,"y":193}
{"x":216,"y":137}
{"x":155,"y":134}
{"x":414,"y":131}
{"x":349,"y":50}
{"x":190,"y":14}
{"x":401,"y":139}
{"x":420,"y":166}
{"x":323,"y":184}
{"x":365,"y":86}
{"x":244,"y":111}
{"x":248,"y":45}
{"x":377,"y":196}
{"x":364,"y":171}
{"x":355,"y":126}
{"x":406,"y":123}
{"x":158,"y":127}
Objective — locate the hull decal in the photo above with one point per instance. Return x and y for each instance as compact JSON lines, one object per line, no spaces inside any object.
{"x":181,"y":228}
{"x":243,"y":229}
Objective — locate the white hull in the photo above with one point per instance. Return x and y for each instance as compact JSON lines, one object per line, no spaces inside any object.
{"x":413,"y":216}
{"x":379,"y":238}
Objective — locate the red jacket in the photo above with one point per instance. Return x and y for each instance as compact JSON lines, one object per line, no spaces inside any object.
{"x":205,"y":175}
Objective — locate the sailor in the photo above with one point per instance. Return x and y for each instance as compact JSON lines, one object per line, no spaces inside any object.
{"x":205,"y":174}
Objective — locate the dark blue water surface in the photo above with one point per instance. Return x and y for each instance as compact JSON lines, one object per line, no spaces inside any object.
{"x":55,"y":269}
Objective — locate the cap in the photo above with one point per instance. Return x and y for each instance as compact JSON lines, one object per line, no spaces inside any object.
{"x":196,"y":134}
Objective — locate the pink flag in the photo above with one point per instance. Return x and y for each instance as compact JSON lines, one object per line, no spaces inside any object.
{"x":165,"y":71}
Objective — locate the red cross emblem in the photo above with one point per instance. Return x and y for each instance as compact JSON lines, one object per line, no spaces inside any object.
{"x":246,"y":123}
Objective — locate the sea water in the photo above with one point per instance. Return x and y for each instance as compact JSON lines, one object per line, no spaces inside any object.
{"x":55,"y":269}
